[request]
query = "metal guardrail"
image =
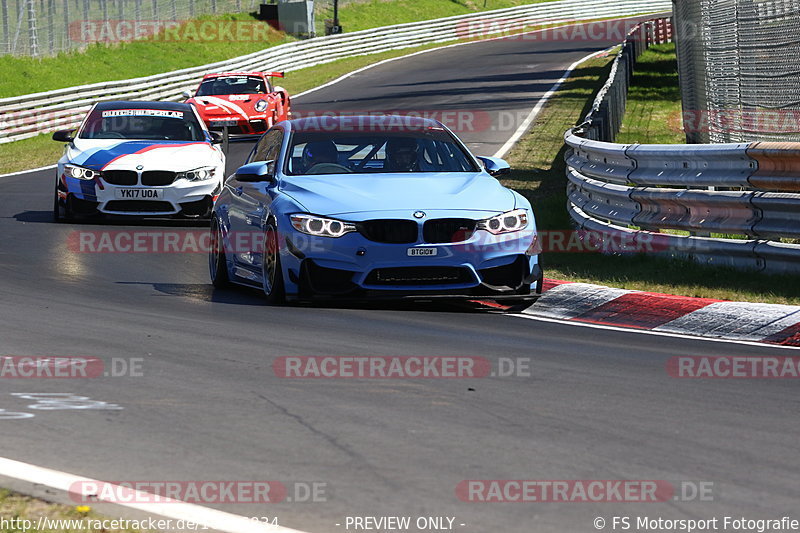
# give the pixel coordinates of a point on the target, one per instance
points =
(635, 191)
(30, 115)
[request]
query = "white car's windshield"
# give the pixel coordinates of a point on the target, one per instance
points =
(148, 124)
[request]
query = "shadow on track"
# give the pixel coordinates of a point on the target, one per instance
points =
(46, 217)
(241, 295)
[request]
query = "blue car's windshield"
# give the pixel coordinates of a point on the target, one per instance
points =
(148, 124)
(429, 150)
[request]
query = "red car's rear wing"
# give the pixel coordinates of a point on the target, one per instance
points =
(274, 74)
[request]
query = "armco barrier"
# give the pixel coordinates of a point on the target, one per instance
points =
(29, 115)
(636, 191)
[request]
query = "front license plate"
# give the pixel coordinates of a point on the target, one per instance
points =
(422, 252)
(223, 123)
(139, 194)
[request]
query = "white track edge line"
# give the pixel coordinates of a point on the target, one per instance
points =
(526, 124)
(651, 332)
(29, 171)
(176, 510)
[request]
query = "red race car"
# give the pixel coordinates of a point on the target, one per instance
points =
(244, 102)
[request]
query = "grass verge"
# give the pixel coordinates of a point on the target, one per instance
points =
(119, 61)
(375, 13)
(22, 514)
(539, 174)
(653, 115)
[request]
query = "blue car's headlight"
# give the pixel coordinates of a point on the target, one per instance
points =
(321, 226)
(80, 173)
(509, 221)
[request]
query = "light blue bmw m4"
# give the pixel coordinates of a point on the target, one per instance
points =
(371, 207)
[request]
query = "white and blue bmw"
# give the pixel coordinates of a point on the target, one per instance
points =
(139, 159)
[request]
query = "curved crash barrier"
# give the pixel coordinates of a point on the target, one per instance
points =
(32, 114)
(616, 187)
(633, 192)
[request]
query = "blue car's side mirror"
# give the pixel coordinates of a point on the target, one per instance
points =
(495, 166)
(255, 172)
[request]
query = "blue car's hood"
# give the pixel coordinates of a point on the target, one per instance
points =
(352, 193)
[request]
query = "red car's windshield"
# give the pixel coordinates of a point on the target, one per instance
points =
(233, 85)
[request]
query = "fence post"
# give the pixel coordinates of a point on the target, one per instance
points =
(6, 35)
(33, 39)
(66, 45)
(51, 15)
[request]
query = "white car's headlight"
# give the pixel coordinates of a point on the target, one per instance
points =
(506, 223)
(198, 174)
(261, 106)
(80, 173)
(321, 226)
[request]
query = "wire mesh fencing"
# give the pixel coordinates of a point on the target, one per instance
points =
(740, 78)
(47, 27)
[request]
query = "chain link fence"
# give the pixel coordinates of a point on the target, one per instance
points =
(739, 71)
(47, 27)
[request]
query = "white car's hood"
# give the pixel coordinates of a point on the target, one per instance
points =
(114, 154)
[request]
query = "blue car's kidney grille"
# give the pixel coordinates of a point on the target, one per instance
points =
(441, 230)
(389, 231)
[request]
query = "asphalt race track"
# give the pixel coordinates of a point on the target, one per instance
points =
(598, 404)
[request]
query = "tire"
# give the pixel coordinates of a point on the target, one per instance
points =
(58, 217)
(217, 261)
(272, 273)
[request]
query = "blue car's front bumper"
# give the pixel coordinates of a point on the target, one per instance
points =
(352, 265)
